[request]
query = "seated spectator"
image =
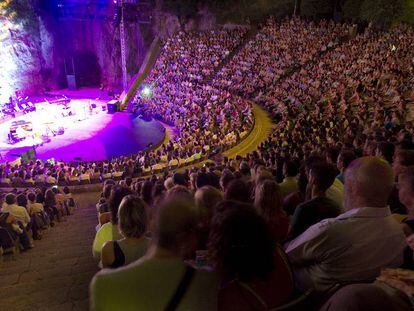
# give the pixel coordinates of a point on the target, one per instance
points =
(345, 158)
(406, 189)
(15, 231)
(402, 159)
(268, 204)
(19, 212)
(69, 201)
(144, 285)
(237, 190)
(225, 179)
(20, 221)
(290, 182)
(103, 205)
(132, 224)
(109, 231)
(254, 272)
(179, 179)
(206, 199)
(406, 196)
(37, 210)
(356, 245)
(169, 183)
(295, 198)
(60, 199)
(385, 150)
(51, 207)
(146, 192)
(35, 224)
(319, 207)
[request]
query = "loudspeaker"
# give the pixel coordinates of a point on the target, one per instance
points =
(113, 106)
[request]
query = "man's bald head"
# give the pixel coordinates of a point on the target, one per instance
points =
(368, 183)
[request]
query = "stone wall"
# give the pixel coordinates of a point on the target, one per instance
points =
(21, 59)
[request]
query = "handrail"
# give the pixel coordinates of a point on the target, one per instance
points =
(143, 72)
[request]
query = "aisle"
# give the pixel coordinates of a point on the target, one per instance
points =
(262, 128)
(54, 275)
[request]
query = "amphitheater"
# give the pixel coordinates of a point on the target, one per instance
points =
(275, 156)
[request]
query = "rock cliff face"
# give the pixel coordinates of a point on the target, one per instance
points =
(102, 40)
(33, 59)
(21, 59)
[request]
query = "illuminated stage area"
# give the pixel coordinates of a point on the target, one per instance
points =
(81, 130)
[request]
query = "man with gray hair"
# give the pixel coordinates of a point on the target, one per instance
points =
(160, 280)
(356, 245)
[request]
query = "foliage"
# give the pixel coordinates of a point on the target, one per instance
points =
(352, 9)
(182, 8)
(317, 8)
(255, 10)
(408, 12)
(381, 12)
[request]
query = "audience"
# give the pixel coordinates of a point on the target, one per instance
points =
(268, 204)
(356, 245)
(23, 218)
(254, 272)
(337, 164)
(319, 207)
(109, 231)
(132, 224)
(160, 280)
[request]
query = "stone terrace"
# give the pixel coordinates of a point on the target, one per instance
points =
(54, 275)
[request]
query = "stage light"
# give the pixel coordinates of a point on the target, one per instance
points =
(146, 92)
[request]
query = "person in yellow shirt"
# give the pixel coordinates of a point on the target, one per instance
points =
(290, 182)
(37, 211)
(109, 231)
(152, 282)
(34, 207)
(19, 212)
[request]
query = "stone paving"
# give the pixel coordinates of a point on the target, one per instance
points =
(54, 275)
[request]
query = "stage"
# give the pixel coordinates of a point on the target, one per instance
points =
(89, 132)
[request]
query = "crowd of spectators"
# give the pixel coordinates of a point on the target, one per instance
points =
(310, 218)
(206, 120)
(277, 48)
(231, 225)
(25, 215)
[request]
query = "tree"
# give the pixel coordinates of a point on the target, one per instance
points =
(382, 12)
(184, 9)
(318, 8)
(352, 9)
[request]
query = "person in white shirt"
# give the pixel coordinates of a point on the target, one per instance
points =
(356, 245)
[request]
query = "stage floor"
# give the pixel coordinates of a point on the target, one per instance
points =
(89, 137)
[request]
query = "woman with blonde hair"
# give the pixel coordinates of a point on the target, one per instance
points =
(268, 203)
(132, 224)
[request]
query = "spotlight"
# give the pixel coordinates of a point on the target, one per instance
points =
(146, 92)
